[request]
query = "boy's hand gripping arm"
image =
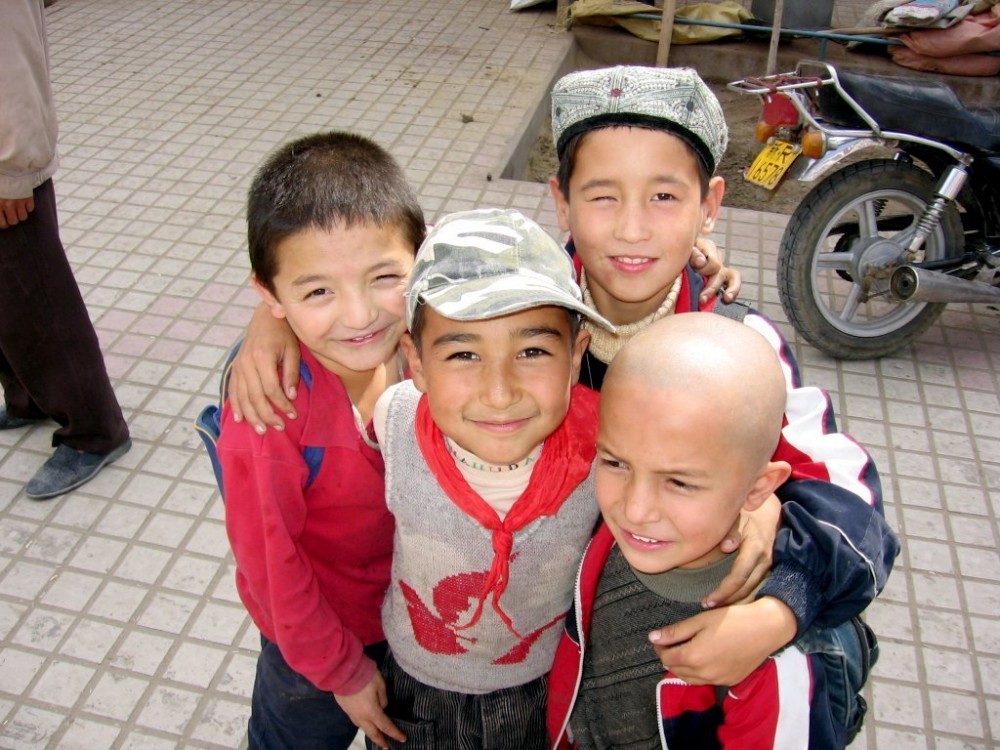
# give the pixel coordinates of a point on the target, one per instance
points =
(834, 549)
(752, 539)
(707, 260)
(366, 709)
(255, 390)
(722, 646)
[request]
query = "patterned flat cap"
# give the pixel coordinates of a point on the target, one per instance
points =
(478, 265)
(671, 99)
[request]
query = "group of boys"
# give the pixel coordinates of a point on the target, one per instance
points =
(417, 587)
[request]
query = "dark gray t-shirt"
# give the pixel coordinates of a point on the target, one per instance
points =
(616, 705)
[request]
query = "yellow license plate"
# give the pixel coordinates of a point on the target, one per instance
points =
(772, 163)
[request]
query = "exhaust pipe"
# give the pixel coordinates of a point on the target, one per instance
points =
(910, 284)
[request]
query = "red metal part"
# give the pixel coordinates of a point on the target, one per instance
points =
(779, 110)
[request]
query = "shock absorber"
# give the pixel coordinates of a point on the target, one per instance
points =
(949, 187)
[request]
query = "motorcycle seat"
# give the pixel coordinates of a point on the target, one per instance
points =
(913, 105)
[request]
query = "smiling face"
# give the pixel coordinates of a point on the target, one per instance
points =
(497, 387)
(671, 476)
(634, 210)
(674, 471)
(341, 291)
(668, 488)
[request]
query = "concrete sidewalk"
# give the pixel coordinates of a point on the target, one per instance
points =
(119, 622)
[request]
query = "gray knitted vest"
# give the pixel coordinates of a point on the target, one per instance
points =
(439, 563)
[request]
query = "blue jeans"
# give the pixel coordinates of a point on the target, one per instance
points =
(290, 713)
(848, 651)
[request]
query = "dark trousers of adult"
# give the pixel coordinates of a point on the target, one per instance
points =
(50, 359)
(288, 712)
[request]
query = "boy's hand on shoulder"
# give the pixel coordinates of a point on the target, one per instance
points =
(255, 391)
(723, 646)
(366, 708)
(707, 260)
(752, 538)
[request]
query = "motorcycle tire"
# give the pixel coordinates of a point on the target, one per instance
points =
(843, 223)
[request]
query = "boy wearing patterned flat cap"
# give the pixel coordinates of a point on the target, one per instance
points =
(638, 149)
(488, 456)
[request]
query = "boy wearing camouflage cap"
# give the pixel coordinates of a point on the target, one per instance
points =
(638, 149)
(488, 457)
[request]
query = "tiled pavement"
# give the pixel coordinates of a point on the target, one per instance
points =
(119, 624)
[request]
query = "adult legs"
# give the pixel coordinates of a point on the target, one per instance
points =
(50, 359)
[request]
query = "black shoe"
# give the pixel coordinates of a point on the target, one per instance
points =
(67, 469)
(9, 422)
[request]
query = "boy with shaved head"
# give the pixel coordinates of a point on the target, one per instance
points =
(670, 484)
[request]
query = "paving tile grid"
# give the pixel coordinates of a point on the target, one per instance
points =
(119, 622)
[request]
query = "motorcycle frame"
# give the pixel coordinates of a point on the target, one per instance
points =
(969, 265)
(801, 89)
(841, 142)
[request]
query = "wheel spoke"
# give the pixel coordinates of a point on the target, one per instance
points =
(867, 219)
(851, 303)
(834, 261)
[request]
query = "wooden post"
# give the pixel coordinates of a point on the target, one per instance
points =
(562, 13)
(772, 52)
(666, 31)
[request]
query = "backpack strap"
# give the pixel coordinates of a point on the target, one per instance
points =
(721, 691)
(313, 454)
(733, 310)
(208, 423)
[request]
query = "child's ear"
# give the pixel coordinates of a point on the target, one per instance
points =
(770, 478)
(413, 363)
(579, 349)
(711, 204)
(269, 299)
(562, 205)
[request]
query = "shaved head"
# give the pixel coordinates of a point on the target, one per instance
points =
(725, 366)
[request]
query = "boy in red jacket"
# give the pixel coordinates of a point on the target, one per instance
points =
(333, 228)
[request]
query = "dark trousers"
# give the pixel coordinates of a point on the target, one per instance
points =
(50, 359)
(288, 712)
(433, 719)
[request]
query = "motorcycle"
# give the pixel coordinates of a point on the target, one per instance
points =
(910, 220)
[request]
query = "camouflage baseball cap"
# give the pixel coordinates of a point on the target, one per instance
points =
(672, 99)
(477, 265)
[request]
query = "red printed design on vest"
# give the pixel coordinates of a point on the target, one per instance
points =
(438, 629)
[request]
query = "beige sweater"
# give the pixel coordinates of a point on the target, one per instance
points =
(28, 127)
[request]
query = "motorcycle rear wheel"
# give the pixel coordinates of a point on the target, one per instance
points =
(864, 213)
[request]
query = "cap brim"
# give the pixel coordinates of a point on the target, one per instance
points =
(484, 299)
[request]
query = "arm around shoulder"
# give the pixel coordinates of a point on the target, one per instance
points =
(834, 549)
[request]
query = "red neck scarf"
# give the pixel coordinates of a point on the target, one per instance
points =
(565, 462)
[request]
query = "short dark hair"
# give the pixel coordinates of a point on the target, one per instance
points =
(419, 318)
(567, 162)
(321, 180)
